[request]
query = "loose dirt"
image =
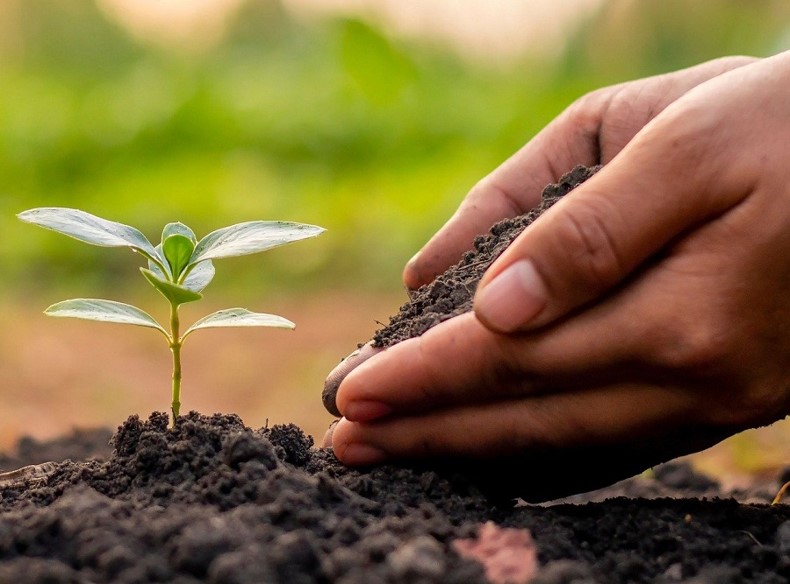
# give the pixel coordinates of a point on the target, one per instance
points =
(215, 501)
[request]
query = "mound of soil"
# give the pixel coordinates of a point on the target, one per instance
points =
(215, 501)
(212, 500)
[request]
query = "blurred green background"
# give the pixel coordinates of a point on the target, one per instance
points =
(330, 113)
(329, 120)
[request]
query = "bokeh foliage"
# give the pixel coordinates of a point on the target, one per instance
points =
(329, 122)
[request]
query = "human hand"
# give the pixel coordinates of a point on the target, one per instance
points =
(591, 131)
(656, 322)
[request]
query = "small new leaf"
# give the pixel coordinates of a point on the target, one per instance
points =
(180, 229)
(173, 292)
(234, 317)
(178, 249)
(103, 311)
(250, 237)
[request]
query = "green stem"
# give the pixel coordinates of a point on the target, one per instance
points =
(175, 348)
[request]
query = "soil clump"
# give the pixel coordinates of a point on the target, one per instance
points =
(451, 293)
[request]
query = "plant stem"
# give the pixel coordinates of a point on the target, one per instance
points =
(782, 492)
(175, 348)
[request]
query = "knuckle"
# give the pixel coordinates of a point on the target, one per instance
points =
(488, 190)
(587, 110)
(686, 131)
(584, 116)
(585, 234)
(699, 348)
(478, 193)
(723, 64)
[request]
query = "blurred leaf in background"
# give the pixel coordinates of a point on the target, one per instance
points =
(330, 120)
(371, 118)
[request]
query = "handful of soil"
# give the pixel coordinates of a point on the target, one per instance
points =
(452, 292)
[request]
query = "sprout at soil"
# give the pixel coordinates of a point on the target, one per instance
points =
(180, 267)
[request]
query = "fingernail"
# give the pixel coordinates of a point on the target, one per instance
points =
(366, 410)
(411, 275)
(357, 454)
(338, 374)
(512, 298)
(327, 442)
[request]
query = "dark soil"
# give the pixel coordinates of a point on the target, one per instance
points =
(215, 501)
(451, 293)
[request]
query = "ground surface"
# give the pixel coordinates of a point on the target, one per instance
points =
(214, 501)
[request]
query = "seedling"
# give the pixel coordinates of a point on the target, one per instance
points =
(180, 267)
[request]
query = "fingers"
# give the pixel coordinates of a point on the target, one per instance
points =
(462, 362)
(512, 189)
(591, 131)
(591, 240)
(333, 380)
(595, 416)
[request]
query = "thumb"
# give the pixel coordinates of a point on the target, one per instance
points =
(668, 180)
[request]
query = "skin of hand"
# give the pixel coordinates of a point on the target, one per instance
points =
(591, 131)
(642, 317)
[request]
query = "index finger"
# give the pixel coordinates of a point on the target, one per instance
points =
(591, 131)
(512, 189)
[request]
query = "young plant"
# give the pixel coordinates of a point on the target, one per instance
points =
(180, 267)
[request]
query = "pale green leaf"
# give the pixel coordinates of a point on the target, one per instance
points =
(178, 228)
(103, 311)
(157, 268)
(199, 276)
(89, 228)
(178, 249)
(237, 317)
(250, 237)
(173, 292)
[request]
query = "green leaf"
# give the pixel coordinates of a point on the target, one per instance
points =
(157, 268)
(178, 249)
(232, 317)
(250, 237)
(89, 228)
(103, 311)
(173, 292)
(199, 276)
(178, 228)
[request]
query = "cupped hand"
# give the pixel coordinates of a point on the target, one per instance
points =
(644, 316)
(591, 131)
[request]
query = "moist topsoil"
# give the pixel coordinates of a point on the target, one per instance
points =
(212, 500)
